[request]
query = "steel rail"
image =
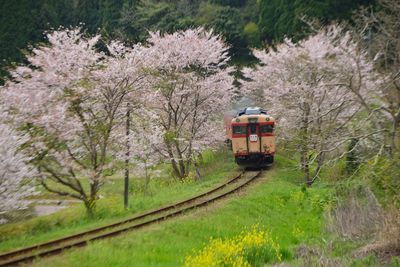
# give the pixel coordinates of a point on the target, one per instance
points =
(101, 228)
(56, 246)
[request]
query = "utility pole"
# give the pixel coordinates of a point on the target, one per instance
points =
(127, 154)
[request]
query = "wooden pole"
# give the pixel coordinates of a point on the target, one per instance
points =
(127, 154)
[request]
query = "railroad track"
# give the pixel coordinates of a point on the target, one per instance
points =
(57, 246)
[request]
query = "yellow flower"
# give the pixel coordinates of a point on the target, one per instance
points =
(298, 196)
(234, 251)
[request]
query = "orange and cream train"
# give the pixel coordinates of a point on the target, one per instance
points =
(251, 135)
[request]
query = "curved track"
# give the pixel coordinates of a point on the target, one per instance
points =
(81, 239)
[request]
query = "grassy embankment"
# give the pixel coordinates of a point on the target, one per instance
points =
(162, 190)
(294, 217)
(278, 203)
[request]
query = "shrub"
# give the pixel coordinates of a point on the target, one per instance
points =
(357, 214)
(387, 244)
(385, 174)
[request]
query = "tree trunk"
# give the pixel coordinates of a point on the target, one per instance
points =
(127, 155)
(172, 159)
(182, 169)
(90, 205)
(90, 201)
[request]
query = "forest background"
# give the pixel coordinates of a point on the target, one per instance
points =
(245, 24)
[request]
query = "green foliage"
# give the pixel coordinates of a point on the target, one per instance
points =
(87, 12)
(395, 262)
(280, 18)
(228, 22)
(232, 3)
(161, 16)
(252, 33)
(129, 23)
(385, 175)
(110, 13)
(169, 136)
(22, 22)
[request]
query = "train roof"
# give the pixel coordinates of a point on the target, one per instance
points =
(252, 115)
(252, 111)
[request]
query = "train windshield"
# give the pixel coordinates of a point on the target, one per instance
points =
(268, 128)
(253, 128)
(239, 129)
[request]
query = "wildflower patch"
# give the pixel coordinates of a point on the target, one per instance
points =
(250, 248)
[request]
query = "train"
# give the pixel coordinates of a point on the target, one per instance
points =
(251, 136)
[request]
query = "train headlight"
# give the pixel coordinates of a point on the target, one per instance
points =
(237, 120)
(267, 118)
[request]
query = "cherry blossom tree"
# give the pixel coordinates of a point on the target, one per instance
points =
(188, 87)
(315, 88)
(16, 175)
(70, 100)
(378, 29)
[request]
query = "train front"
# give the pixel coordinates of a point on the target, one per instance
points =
(253, 138)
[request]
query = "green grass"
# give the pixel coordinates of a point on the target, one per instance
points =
(162, 191)
(292, 214)
(279, 203)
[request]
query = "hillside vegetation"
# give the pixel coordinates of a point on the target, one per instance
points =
(244, 23)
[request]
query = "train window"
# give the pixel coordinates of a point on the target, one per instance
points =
(267, 128)
(239, 129)
(253, 128)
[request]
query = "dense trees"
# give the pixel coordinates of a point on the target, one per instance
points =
(282, 18)
(315, 88)
(23, 22)
(79, 97)
(243, 23)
